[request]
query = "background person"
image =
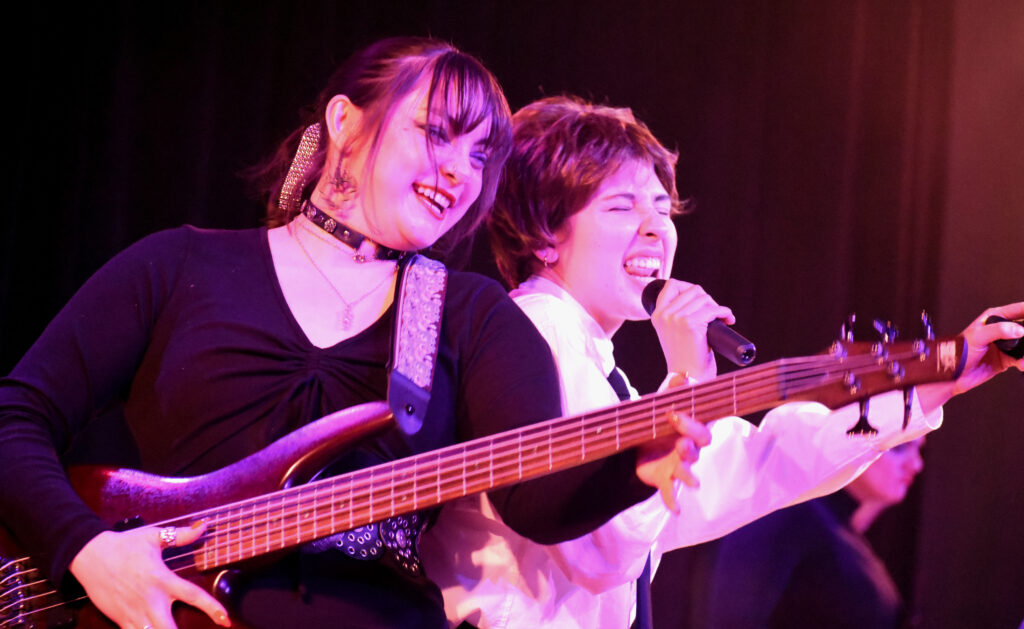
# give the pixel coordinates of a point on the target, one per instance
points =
(809, 565)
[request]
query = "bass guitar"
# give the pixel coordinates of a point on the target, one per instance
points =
(255, 507)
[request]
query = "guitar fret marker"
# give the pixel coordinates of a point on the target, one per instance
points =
(415, 494)
(392, 499)
(550, 461)
(583, 440)
(734, 400)
(438, 478)
(334, 504)
(312, 514)
(371, 494)
(351, 502)
(519, 454)
(618, 426)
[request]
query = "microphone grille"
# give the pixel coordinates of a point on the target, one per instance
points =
(650, 295)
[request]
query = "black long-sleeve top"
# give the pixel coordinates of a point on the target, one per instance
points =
(187, 334)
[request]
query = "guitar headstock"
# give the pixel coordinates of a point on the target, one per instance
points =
(852, 371)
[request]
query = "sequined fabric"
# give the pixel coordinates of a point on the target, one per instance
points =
(396, 538)
(419, 315)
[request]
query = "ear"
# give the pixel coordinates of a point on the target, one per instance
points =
(548, 255)
(342, 118)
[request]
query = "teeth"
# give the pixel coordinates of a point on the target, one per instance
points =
(642, 266)
(438, 198)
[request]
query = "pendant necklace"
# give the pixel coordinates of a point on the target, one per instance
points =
(346, 316)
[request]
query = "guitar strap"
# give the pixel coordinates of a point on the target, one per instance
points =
(417, 333)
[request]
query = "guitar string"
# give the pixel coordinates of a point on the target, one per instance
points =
(282, 527)
(792, 370)
(381, 504)
(415, 473)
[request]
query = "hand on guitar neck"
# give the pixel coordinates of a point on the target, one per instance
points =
(984, 359)
(660, 463)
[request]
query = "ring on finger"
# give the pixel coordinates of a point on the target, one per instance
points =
(168, 538)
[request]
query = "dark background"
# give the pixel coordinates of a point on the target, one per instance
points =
(845, 156)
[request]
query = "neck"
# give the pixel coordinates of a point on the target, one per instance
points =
(610, 327)
(363, 248)
(865, 515)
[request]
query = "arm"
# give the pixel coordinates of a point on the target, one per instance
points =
(85, 359)
(800, 451)
(509, 381)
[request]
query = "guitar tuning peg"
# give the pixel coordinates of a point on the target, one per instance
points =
(846, 331)
(926, 325)
(863, 426)
(887, 330)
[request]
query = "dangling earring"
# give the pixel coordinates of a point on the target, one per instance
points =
(548, 256)
(291, 189)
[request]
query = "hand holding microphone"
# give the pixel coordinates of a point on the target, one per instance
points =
(1014, 348)
(721, 337)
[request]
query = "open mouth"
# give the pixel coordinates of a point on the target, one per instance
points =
(438, 199)
(643, 266)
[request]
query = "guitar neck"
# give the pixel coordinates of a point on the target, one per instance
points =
(298, 515)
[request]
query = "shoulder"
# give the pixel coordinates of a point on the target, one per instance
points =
(471, 295)
(558, 322)
(480, 313)
(187, 239)
(544, 308)
(157, 262)
(466, 284)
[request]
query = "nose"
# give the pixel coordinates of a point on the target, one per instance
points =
(454, 165)
(914, 462)
(653, 224)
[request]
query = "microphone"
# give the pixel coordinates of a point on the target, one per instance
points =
(1010, 347)
(721, 337)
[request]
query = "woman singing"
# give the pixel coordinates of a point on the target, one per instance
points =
(582, 223)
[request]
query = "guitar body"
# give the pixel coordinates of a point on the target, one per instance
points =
(128, 498)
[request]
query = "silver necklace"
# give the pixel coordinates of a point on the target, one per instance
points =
(346, 316)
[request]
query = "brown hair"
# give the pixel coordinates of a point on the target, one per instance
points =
(563, 147)
(375, 79)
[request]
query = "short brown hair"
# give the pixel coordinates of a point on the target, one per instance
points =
(563, 147)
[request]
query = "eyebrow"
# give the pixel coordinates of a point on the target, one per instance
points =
(629, 196)
(485, 142)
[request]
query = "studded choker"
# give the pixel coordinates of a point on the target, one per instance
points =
(348, 235)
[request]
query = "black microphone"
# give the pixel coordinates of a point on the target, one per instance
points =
(721, 337)
(1010, 347)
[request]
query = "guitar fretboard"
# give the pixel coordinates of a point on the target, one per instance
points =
(298, 515)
